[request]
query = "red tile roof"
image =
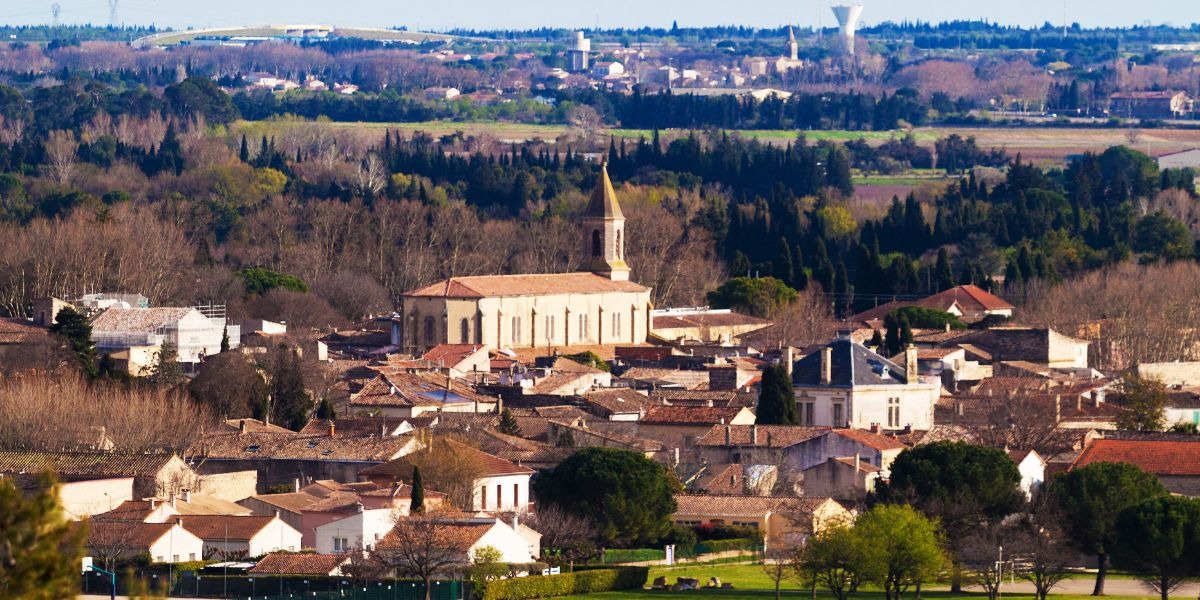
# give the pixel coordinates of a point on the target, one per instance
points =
(450, 354)
(877, 441)
(16, 331)
(689, 415)
(217, 527)
(769, 436)
(1151, 456)
(287, 563)
(495, 286)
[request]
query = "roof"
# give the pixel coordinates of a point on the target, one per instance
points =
(16, 331)
(863, 466)
(255, 426)
(705, 319)
(689, 415)
(137, 319)
(870, 439)
(742, 506)
(217, 527)
(1151, 95)
(288, 563)
(1158, 457)
(298, 446)
(972, 301)
(617, 401)
(603, 203)
(84, 464)
(494, 286)
(769, 436)
(489, 465)
(399, 389)
(852, 364)
(450, 354)
(130, 535)
(459, 536)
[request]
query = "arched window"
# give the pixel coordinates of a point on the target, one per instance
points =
(464, 331)
(597, 250)
(430, 332)
(618, 249)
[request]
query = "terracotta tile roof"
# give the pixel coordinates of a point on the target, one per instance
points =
(298, 446)
(769, 436)
(459, 536)
(400, 469)
(1157, 457)
(495, 286)
(721, 480)
(137, 319)
(686, 379)
(869, 439)
(255, 426)
(218, 527)
(617, 401)
(294, 502)
(131, 535)
(742, 506)
(396, 389)
(129, 510)
(84, 464)
(689, 415)
(970, 298)
(17, 331)
(732, 319)
(288, 563)
(863, 466)
(355, 426)
(450, 354)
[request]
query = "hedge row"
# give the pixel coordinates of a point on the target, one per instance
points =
(716, 546)
(567, 584)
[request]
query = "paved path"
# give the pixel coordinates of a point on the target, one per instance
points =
(1082, 586)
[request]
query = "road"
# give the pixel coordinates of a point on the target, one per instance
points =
(1082, 586)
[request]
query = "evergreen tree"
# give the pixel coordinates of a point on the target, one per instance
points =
(876, 341)
(943, 272)
(417, 504)
(39, 549)
(244, 152)
(167, 372)
(224, 340)
(325, 410)
(777, 399)
(74, 326)
(837, 172)
(508, 423)
(783, 263)
(290, 402)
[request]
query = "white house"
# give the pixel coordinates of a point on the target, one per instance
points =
(499, 486)
(360, 530)
(242, 536)
(845, 384)
(1032, 468)
(162, 542)
(469, 535)
(136, 334)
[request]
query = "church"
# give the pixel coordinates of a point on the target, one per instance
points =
(597, 306)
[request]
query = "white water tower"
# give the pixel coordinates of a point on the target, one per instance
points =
(847, 16)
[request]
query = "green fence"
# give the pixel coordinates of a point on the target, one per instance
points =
(379, 590)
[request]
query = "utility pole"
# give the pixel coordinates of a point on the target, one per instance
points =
(1000, 573)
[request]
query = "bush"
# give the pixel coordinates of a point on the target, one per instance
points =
(717, 546)
(710, 531)
(567, 584)
(622, 555)
(928, 318)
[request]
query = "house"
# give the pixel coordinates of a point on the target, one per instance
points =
(1176, 462)
(499, 485)
(468, 535)
(229, 537)
(154, 475)
(847, 478)
(1032, 468)
(459, 359)
(617, 404)
(133, 336)
(706, 325)
(162, 542)
(296, 564)
(781, 520)
(731, 480)
(970, 303)
(442, 93)
(845, 384)
(597, 306)
(681, 426)
(400, 394)
(1187, 159)
(1169, 104)
(360, 530)
(1032, 345)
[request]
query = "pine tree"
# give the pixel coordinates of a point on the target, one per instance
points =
(39, 549)
(508, 424)
(783, 263)
(167, 372)
(224, 340)
(417, 504)
(325, 410)
(777, 400)
(74, 326)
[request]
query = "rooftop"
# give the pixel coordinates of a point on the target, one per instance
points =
(287, 563)
(496, 286)
(137, 319)
(1158, 457)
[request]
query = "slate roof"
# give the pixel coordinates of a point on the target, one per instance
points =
(852, 364)
(496, 286)
(287, 563)
(1163, 457)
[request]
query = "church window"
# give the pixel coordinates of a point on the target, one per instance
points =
(583, 327)
(616, 330)
(430, 332)
(550, 328)
(465, 331)
(596, 244)
(516, 330)
(618, 249)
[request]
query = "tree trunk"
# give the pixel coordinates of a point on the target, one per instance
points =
(427, 586)
(956, 578)
(1102, 562)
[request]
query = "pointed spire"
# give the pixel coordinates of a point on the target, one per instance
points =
(603, 204)
(791, 34)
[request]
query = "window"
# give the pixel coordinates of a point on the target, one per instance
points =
(596, 244)
(483, 497)
(616, 328)
(499, 496)
(618, 248)
(174, 558)
(341, 544)
(191, 557)
(516, 330)
(583, 327)
(839, 417)
(808, 413)
(893, 413)
(464, 333)
(550, 328)
(516, 495)
(430, 332)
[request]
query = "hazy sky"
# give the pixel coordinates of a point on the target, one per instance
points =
(443, 14)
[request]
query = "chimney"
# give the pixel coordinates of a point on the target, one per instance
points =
(961, 409)
(910, 365)
(826, 365)
(242, 426)
(383, 430)
(768, 439)
(332, 428)
(516, 522)
(728, 435)
(874, 427)
(754, 435)
(174, 501)
(1096, 399)
(153, 503)
(1078, 403)
(908, 429)
(788, 359)
(857, 461)
(179, 521)
(276, 513)
(187, 496)
(296, 485)
(1057, 410)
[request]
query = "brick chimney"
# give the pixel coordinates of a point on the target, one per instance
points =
(242, 426)
(826, 365)
(911, 373)
(788, 360)
(728, 435)
(332, 428)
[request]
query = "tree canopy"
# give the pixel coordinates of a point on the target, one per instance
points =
(757, 296)
(777, 398)
(898, 548)
(1159, 540)
(630, 497)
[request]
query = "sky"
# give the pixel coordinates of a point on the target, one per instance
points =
(520, 14)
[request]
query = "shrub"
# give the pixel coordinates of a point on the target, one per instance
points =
(567, 584)
(928, 318)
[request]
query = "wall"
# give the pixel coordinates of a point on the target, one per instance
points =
(81, 499)
(180, 543)
(233, 486)
(507, 501)
(512, 546)
(838, 480)
(867, 405)
(276, 536)
(361, 529)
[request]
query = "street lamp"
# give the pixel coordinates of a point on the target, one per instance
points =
(1000, 573)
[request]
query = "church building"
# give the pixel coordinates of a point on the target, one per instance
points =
(598, 306)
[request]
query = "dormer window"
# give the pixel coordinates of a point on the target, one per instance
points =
(253, 448)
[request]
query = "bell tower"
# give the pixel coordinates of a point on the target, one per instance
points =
(604, 232)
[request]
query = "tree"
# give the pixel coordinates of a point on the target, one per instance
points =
(1143, 403)
(1159, 540)
(962, 485)
(1090, 498)
(39, 549)
(62, 155)
(451, 467)
(325, 410)
(779, 566)
(74, 326)
(899, 548)
(760, 297)
(417, 504)
(832, 557)
(944, 271)
(224, 339)
(630, 497)
(508, 423)
(777, 398)
(166, 371)
(290, 401)
(423, 546)
(566, 537)
(230, 385)
(1047, 551)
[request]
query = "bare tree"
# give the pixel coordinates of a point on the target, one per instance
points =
(426, 546)
(585, 121)
(61, 155)
(566, 536)
(110, 541)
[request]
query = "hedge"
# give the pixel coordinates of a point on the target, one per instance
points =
(566, 584)
(619, 555)
(716, 546)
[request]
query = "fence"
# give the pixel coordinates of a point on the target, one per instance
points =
(191, 584)
(644, 555)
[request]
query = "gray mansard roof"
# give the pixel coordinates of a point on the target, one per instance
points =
(851, 365)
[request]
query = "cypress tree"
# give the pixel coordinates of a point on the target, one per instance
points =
(783, 267)
(777, 400)
(74, 326)
(876, 341)
(224, 340)
(417, 505)
(944, 274)
(508, 423)
(244, 153)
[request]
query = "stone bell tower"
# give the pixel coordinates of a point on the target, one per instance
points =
(604, 232)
